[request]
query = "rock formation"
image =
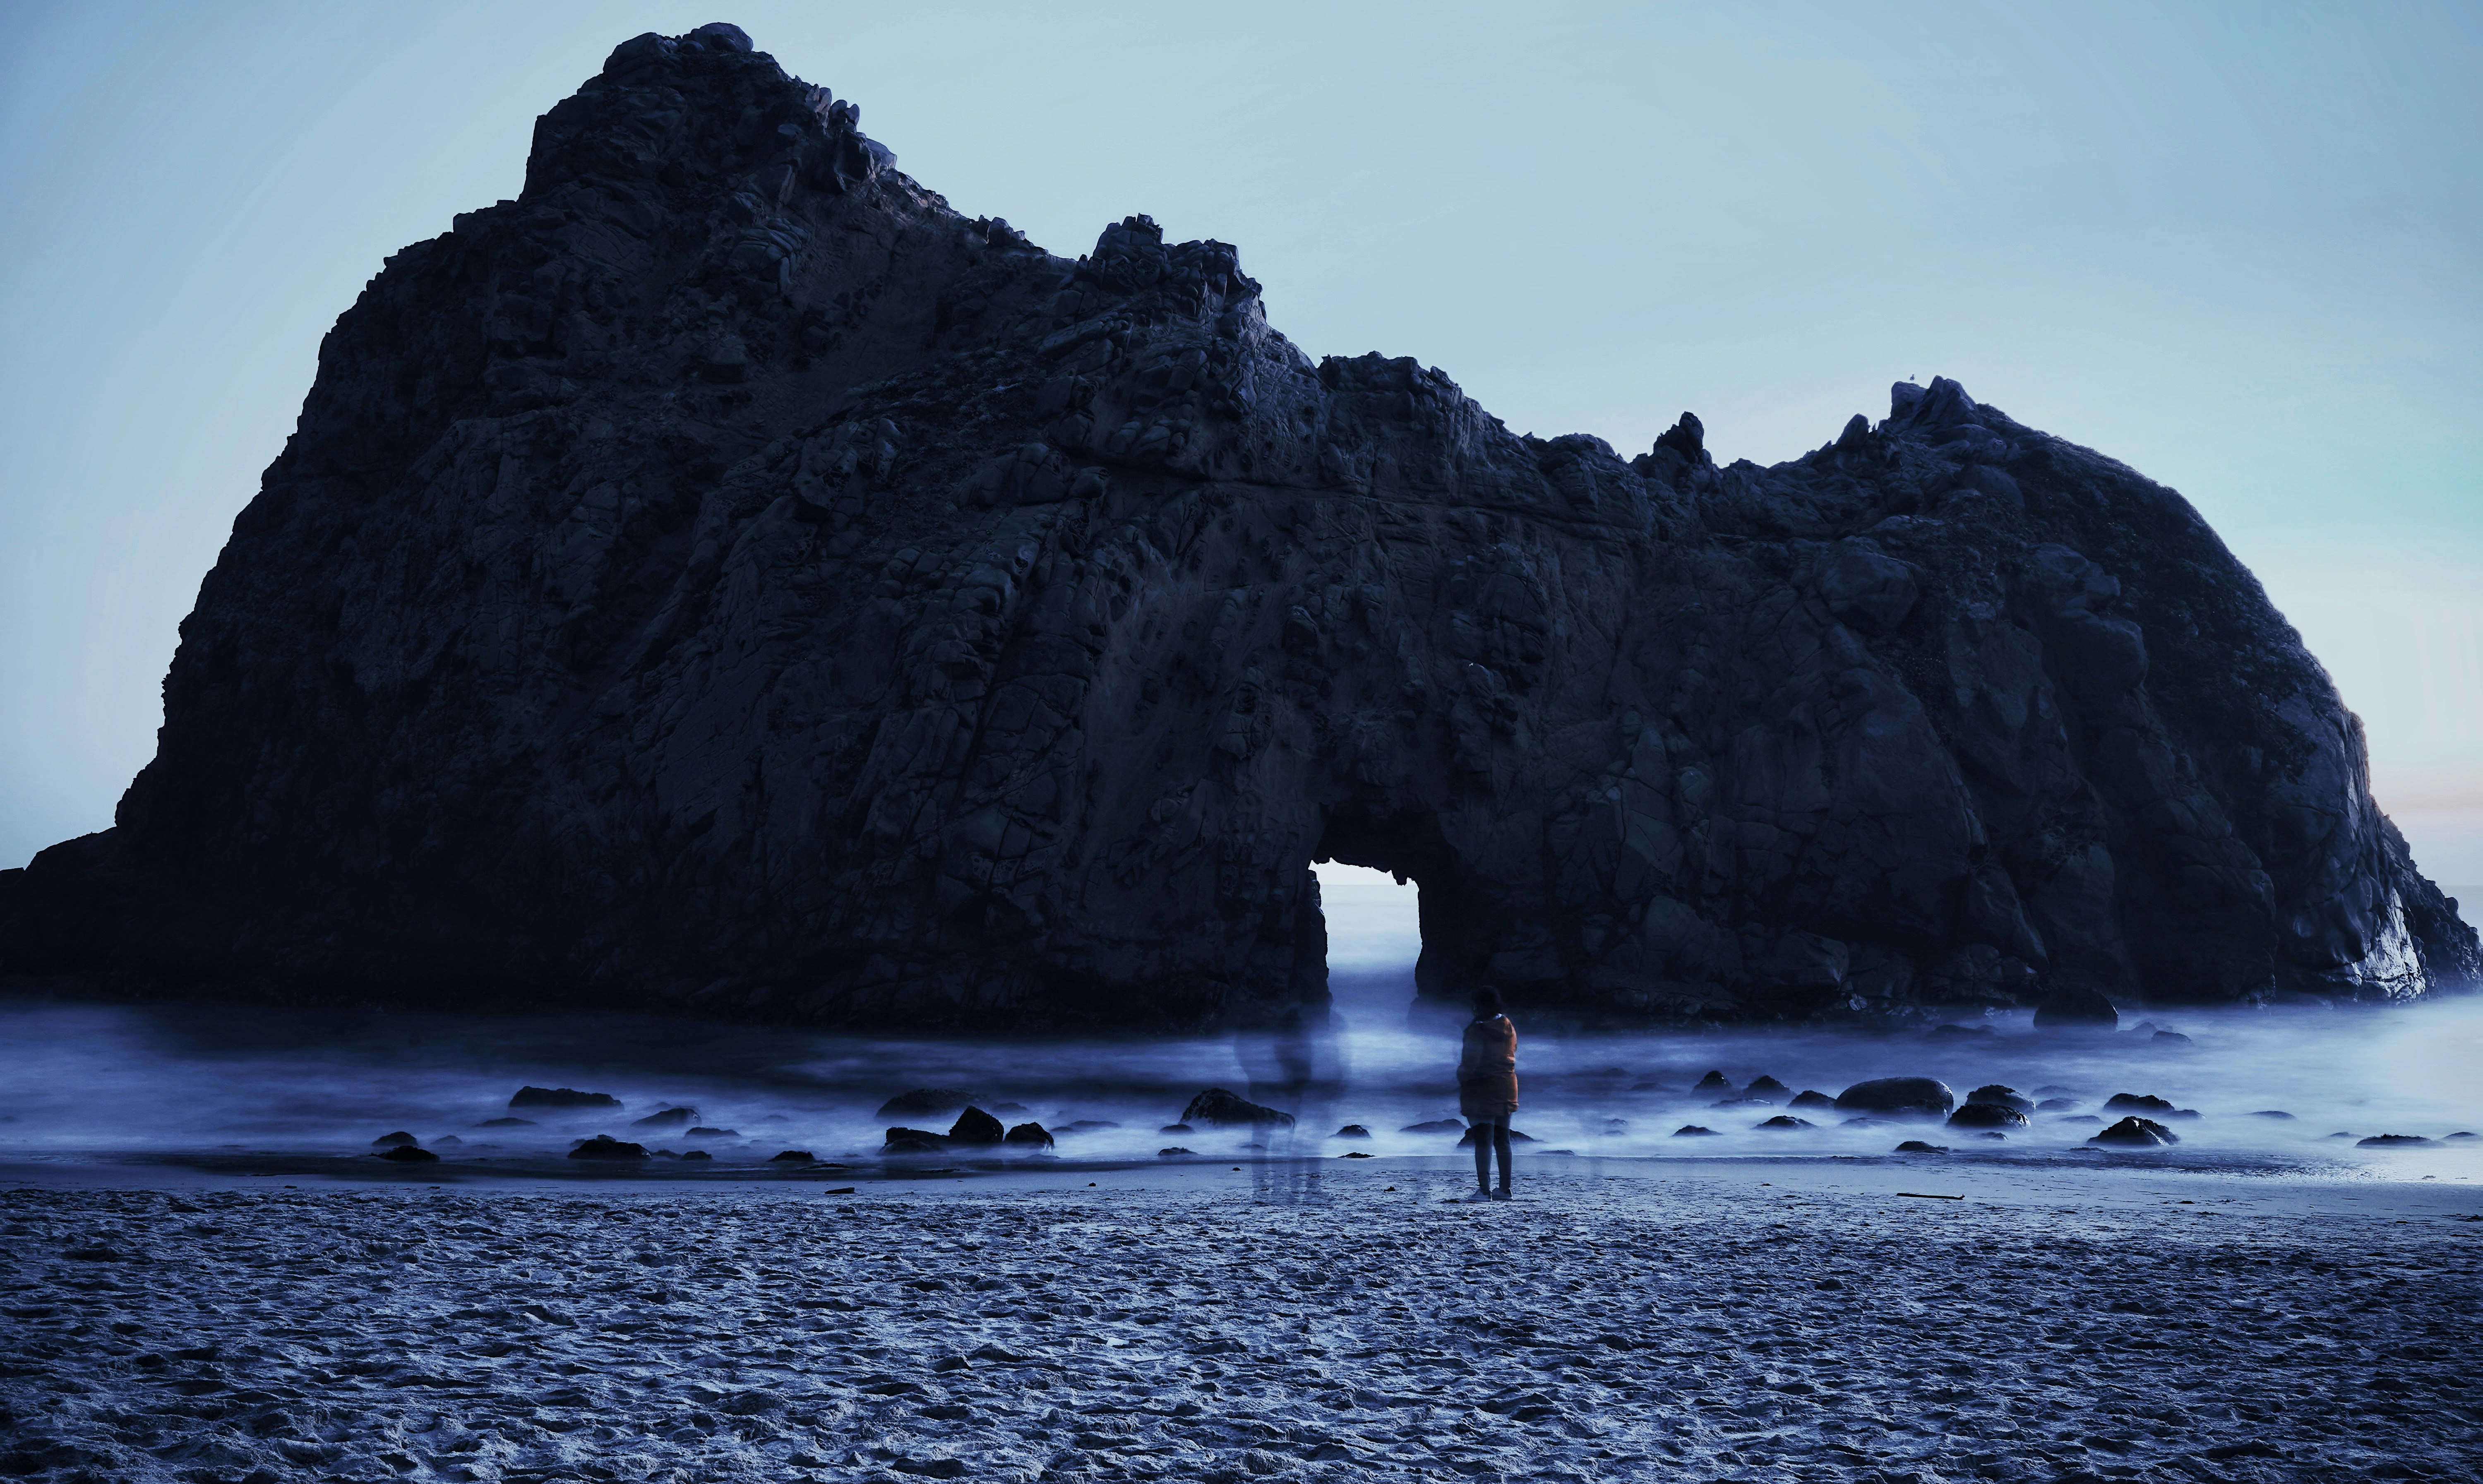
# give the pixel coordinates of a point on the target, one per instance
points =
(726, 577)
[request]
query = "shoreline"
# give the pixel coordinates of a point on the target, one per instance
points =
(1259, 1325)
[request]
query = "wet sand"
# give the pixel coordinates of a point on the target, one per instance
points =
(1287, 1320)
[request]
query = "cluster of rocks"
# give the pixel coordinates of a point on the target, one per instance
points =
(725, 578)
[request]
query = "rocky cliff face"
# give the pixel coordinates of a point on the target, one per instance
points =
(728, 577)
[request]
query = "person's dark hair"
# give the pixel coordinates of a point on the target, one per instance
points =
(1486, 1004)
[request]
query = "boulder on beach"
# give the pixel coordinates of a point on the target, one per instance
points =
(1475, 1134)
(561, 1097)
(2391, 1141)
(1918, 1147)
(793, 1157)
(508, 1122)
(1987, 1115)
(1811, 1097)
(667, 1117)
(925, 1101)
(2006, 1096)
(1784, 1121)
(408, 1153)
(2135, 1133)
(975, 1127)
(1713, 1082)
(1217, 1108)
(392, 1140)
(1437, 1125)
(1352, 1131)
(1898, 1095)
(605, 1146)
(1692, 1131)
(1355, 1154)
(1030, 1134)
(1768, 1087)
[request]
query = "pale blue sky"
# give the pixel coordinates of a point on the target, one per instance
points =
(2234, 246)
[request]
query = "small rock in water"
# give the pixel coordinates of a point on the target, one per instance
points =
(923, 1101)
(1217, 1108)
(2391, 1141)
(1810, 1098)
(444, 1140)
(2340, 1135)
(1713, 1082)
(1898, 1095)
(1030, 1133)
(1094, 1125)
(667, 1117)
(2273, 1113)
(1514, 1137)
(914, 1141)
(1918, 1147)
(2006, 1096)
(561, 1097)
(1863, 1123)
(1785, 1120)
(605, 1146)
(1355, 1154)
(2056, 1105)
(2055, 1090)
(2143, 1103)
(2078, 1118)
(713, 1133)
(1991, 1135)
(1352, 1131)
(1171, 1153)
(698, 1153)
(392, 1140)
(1987, 1115)
(1435, 1126)
(1012, 1109)
(1766, 1087)
(1617, 1126)
(2461, 1134)
(1692, 1131)
(976, 1126)
(2136, 1132)
(507, 1122)
(1176, 1129)
(2168, 1038)
(793, 1157)
(408, 1153)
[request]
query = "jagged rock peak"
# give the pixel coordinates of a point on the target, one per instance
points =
(729, 578)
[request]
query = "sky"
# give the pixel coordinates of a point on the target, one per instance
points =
(2234, 246)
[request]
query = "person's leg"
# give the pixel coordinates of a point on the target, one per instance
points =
(1483, 1155)
(1499, 1142)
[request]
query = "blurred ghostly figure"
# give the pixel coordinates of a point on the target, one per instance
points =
(1293, 1066)
(1488, 1089)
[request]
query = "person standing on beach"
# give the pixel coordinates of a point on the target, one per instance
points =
(1488, 1089)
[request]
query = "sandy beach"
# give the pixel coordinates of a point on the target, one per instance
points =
(1299, 1320)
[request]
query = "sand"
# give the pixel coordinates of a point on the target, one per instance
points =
(1285, 1322)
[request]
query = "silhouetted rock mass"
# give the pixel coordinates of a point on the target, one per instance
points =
(726, 577)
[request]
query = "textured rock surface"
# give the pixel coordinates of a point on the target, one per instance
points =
(726, 577)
